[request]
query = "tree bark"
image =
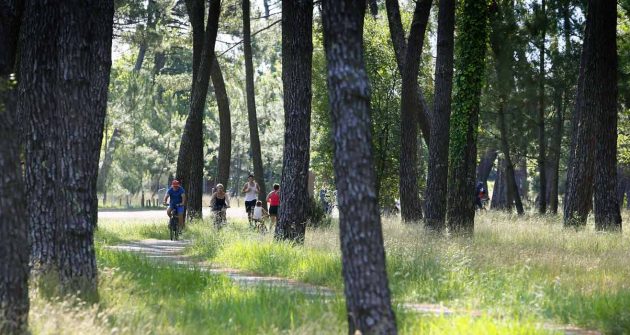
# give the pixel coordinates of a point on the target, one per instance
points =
(485, 166)
(71, 43)
(400, 50)
(363, 256)
(297, 59)
(193, 143)
(465, 119)
(542, 143)
(594, 124)
(225, 124)
(561, 106)
(251, 104)
(499, 194)
(411, 209)
(437, 175)
(196, 14)
(152, 18)
(14, 252)
(108, 159)
(511, 186)
(503, 30)
(606, 206)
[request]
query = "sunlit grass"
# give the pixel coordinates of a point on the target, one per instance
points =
(513, 267)
(518, 272)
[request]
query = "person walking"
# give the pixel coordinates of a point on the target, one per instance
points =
(251, 190)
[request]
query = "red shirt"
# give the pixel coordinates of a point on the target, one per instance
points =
(274, 199)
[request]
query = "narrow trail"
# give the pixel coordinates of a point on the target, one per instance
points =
(172, 253)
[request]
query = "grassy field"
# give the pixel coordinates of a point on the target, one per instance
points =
(516, 276)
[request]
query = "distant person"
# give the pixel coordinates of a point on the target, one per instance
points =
(251, 190)
(259, 212)
(323, 199)
(480, 195)
(273, 198)
(177, 203)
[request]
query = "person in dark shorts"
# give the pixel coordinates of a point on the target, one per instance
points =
(251, 190)
(273, 198)
(177, 202)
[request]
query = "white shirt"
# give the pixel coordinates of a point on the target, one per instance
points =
(258, 213)
(251, 193)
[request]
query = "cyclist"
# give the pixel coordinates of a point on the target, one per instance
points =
(258, 214)
(251, 191)
(273, 198)
(177, 196)
(219, 200)
(480, 195)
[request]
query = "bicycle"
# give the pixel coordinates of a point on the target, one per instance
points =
(220, 218)
(260, 226)
(173, 225)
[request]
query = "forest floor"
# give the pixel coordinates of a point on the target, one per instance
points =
(516, 276)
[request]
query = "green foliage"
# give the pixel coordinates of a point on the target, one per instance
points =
(470, 70)
(385, 89)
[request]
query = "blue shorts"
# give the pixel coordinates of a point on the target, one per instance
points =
(179, 209)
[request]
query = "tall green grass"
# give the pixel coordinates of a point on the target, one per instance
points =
(139, 296)
(513, 267)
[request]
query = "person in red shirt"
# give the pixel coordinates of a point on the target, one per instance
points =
(273, 198)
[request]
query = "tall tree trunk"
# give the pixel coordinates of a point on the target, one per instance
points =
(72, 47)
(400, 50)
(297, 58)
(251, 104)
(606, 206)
(503, 30)
(266, 5)
(594, 123)
(411, 209)
(14, 252)
(152, 18)
(465, 119)
(196, 14)
(193, 143)
(511, 186)
(108, 159)
(225, 124)
(485, 166)
(560, 110)
(542, 143)
(499, 194)
(435, 204)
(368, 301)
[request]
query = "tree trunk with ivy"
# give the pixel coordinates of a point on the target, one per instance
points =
(368, 300)
(297, 59)
(437, 175)
(465, 119)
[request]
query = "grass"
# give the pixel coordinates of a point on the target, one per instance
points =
(513, 267)
(515, 276)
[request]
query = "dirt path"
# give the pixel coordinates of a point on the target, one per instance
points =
(172, 252)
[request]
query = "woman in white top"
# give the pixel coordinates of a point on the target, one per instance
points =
(251, 190)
